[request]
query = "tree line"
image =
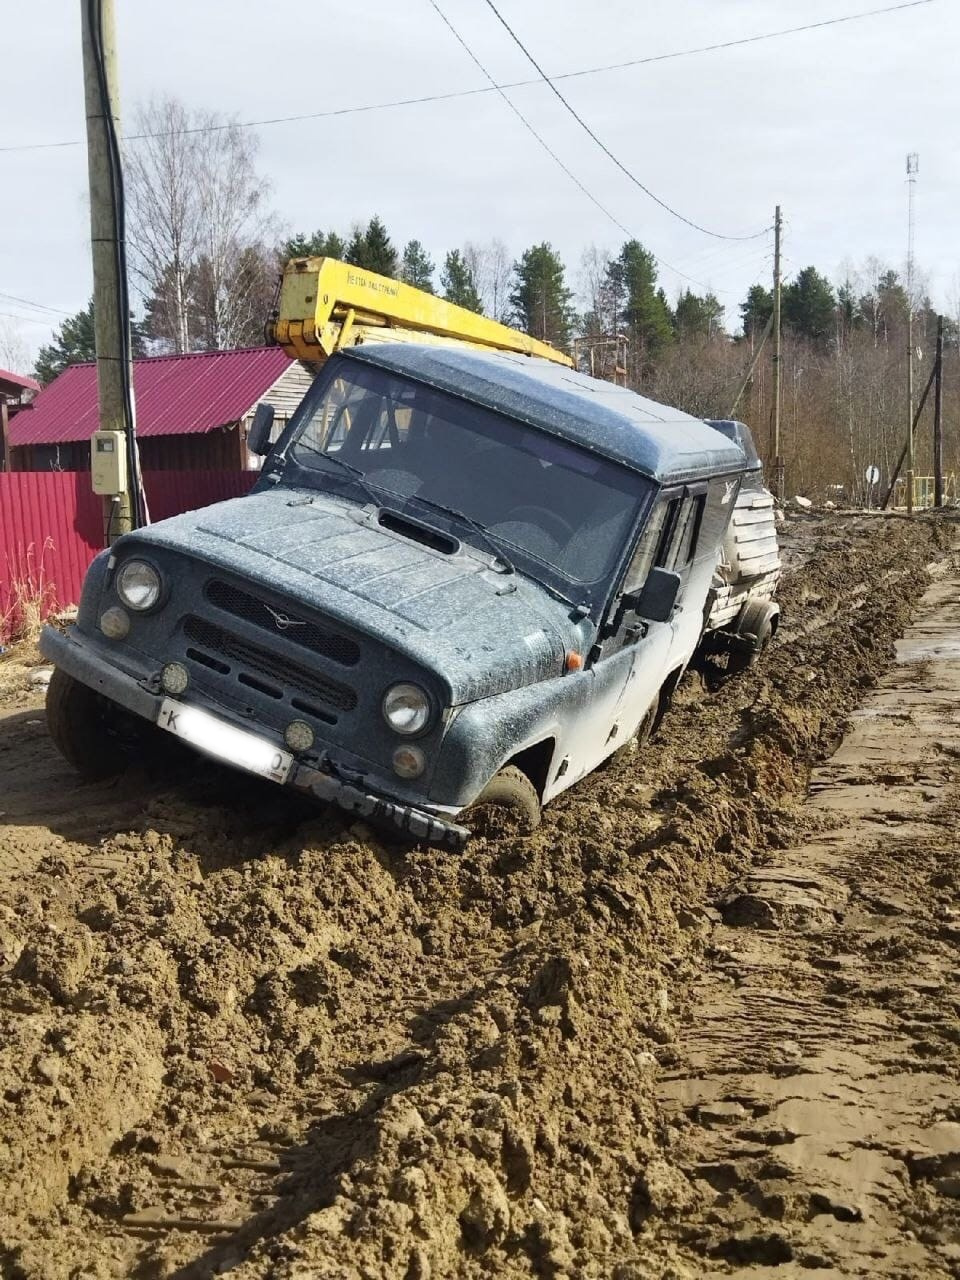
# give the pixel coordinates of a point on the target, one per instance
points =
(206, 252)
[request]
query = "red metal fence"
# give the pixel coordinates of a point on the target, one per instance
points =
(51, 527)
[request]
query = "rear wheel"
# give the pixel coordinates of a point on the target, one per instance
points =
(97, 738)
(509, 801)
(743, 659)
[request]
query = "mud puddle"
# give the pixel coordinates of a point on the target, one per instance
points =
(237, 1039)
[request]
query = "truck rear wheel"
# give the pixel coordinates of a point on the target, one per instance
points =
(743, 659)
(509, 799)
(87, 731)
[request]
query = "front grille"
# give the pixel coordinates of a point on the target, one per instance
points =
(259, 665)
(299, 631)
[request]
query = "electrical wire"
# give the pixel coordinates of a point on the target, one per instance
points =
(115, 161)
(515, 84)
(37, 306)
(716, 235)
(549, 150)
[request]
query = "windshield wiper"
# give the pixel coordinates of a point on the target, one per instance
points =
(481, 530)
(356, 472)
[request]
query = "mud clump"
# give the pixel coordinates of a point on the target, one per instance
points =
(286, 1047)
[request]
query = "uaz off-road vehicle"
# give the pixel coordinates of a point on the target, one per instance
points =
(462, 578)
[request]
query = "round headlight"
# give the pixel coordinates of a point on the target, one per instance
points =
(406, 709)
(138, 585)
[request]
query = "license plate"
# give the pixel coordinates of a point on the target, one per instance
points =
(224, 741)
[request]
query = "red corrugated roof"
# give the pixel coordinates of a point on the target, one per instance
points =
(176, 395)
(17, 381)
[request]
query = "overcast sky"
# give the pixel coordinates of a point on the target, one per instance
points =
(819, 122)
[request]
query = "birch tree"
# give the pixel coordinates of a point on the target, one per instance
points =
(197, 226)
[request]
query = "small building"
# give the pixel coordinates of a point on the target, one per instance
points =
(193, 411)
(16, 393)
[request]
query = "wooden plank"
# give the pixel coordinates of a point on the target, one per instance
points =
(762, 565)
(751, 532)
(759, 516)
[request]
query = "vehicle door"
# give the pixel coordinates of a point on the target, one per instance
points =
(654, 650)
(627, 662)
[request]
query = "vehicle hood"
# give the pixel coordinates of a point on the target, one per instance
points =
(480, 631)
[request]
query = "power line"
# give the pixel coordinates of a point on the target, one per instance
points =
(716, 235)
(546, 146)
(493, 87)
(37, 306)
(12, 315)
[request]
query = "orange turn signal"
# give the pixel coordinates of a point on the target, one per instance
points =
(574, 660)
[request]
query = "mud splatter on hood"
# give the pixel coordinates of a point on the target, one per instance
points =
(481, 631)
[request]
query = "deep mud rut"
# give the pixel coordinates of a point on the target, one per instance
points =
(686, 1028)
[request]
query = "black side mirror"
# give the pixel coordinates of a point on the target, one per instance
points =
(258, 437)
(659, 596)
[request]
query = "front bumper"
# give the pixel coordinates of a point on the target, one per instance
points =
(330, 784)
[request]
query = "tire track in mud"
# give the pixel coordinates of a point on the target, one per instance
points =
(815, 1098)
(376, 1063)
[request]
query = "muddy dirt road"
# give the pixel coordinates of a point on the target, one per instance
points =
(653, 1040)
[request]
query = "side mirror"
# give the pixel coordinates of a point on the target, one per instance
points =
(658, 598)
(258, 437)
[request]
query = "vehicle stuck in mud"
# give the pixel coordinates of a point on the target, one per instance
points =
(462, 580)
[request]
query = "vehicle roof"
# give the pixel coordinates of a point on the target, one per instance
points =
(664, 443)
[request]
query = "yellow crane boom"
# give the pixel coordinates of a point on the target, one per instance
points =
(326, 305)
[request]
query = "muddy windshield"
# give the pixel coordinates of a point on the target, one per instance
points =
(543, 500)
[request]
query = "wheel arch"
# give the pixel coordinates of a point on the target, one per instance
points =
(535, 762)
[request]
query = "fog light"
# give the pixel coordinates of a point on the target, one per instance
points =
(409, 762)
(298, 735)
(115, 623)
(174, 678)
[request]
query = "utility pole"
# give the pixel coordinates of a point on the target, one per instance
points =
(938, 420)
(777, 457)
(111, 321)
(913, 164)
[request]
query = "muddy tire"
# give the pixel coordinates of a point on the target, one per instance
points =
(508, 801)
(84, 728)
(745, 659)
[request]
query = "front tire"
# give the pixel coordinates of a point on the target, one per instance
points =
(86, 730)
(508, 800)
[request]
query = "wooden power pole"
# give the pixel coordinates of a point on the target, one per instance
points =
(111, 321)
(912, 167)
(938, 420)
(777, 455)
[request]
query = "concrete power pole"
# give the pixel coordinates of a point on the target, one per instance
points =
(111, 321)
(913, 164)
(777, 456)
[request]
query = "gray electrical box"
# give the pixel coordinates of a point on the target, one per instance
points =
(109, 462)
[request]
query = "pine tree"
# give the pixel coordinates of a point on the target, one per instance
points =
(417, 267)
(540, 299)
(458, 283)
(809, 305)
(321, 244)
(372, 249)
(75, 343)
(640, 305)
(697, 317)
(756, 310)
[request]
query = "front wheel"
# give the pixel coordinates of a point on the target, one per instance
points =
(86, 729)
(508, 801)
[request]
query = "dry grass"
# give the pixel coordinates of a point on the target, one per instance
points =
(30, 595)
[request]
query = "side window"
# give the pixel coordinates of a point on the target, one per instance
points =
(683, 540)
(652, 541)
